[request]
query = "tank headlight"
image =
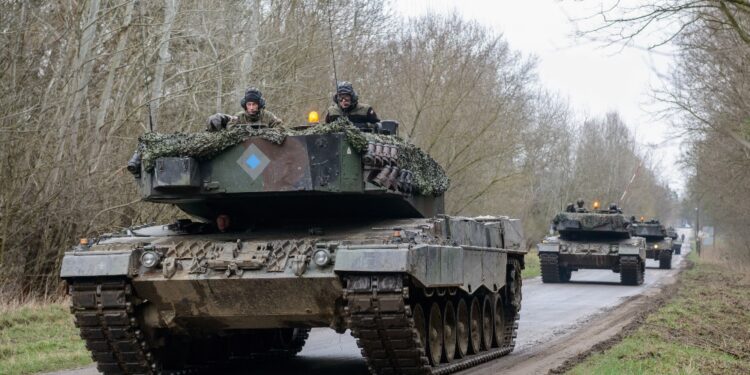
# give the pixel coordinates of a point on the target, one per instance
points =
(322, 258)
(150, 259)
(656, 246)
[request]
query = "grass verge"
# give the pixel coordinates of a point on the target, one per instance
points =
(701, 330)
(531, 260)
(39, 337)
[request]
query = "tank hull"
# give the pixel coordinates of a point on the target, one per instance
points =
(254, 287)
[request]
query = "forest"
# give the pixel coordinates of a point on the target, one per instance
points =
(80, 81)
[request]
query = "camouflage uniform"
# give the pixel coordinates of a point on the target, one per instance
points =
(358, 113)
(263, 117)
(361, 113)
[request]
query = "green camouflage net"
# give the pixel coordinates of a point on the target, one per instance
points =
(590, 221)
(429, 176)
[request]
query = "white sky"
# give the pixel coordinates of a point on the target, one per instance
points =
(594, 80)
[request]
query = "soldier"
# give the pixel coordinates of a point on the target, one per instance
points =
(347, 105)
(570, 208)
(580, 207)
(254, 113)
(223, 222)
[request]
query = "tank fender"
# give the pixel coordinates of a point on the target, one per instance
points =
(431, 265)
(465, 267)
(548, 247)
(92, 263)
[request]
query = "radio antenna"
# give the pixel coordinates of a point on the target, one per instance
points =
(333, 55)
(145, 71)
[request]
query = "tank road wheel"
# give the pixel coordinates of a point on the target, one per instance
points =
(498, 321)
(462, 328)
(435, 326)
(631, 270)
(487, 321)
(417, 314)
(475, 326)
(449, 331)
(665, 260)
(551, 270)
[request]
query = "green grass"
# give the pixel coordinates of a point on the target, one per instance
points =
(39, 337)
(703, 329)
(532, 265)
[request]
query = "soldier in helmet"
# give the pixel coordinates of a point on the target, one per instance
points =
(579, 204)
(346, 104)
(254, 113)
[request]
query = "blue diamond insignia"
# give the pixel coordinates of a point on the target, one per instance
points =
(253, 161)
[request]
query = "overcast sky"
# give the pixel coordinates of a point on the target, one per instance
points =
(594, 80)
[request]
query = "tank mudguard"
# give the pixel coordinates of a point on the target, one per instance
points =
(467, 268)
(93, 263)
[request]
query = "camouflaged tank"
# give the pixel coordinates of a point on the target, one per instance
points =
(326, 227)
(597, 239)
(658, 243)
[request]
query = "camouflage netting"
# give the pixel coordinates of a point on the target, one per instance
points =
(591, 221)
(429, 176)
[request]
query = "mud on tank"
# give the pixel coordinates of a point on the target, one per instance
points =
(327, 227)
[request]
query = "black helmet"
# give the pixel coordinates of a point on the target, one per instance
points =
(579, 202)
(345, 88)
(252, 94)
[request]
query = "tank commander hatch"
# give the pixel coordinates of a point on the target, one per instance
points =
(346, 104)
(254, 114)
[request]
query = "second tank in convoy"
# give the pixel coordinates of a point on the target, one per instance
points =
(592, 239)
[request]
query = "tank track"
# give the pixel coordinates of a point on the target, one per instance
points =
(103, 312)
(382, 322)
(551, 270)
(665, 260)
(631, 270)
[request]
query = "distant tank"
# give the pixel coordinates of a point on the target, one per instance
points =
(676, 242)
(596, 239)
(324, 227)
(659, 245)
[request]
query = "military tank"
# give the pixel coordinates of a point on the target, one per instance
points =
(592, 239)
(658, 244)
(324, 227)
(676, 242)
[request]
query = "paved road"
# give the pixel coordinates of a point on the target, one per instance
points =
(549, 311)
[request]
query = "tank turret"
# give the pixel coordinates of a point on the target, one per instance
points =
(256, 176)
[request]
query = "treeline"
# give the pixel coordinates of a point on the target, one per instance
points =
(78, 79)
(707, 94)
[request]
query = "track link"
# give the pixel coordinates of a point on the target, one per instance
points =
(631, 270)
(551, 270)
(104, 314)
(385, 330)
